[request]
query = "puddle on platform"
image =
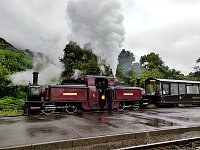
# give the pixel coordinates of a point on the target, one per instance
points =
(107, 121)
(187, 119)
(44, 118)
(9, 120)
(155, 122)
(44, 131)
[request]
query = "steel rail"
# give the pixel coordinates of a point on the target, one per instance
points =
(167, 144)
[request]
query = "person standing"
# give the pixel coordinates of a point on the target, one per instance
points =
(110, 95)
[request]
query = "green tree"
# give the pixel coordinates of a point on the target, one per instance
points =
(154, 73)
(124, 68)
(12, 60)
(79, 58)
(197, 69)
(15, 60)
(152, 61)
(133, 80)
(72, 55)
(4, 72)
(155, 67)
(90, 67)
(173, 74)
(125, 59)
(119, 74)
(196, 74)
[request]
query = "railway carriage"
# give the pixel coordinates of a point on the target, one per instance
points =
(88, 92)
(167, 91)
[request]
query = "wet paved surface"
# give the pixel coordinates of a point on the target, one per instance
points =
(40, 128)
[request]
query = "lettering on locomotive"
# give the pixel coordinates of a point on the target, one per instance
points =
(128, 94)
(70, 94)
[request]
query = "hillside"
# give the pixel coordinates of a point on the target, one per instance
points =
(5, 45)
(12, 60)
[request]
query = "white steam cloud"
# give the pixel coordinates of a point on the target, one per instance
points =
(48, 70)
(100, 23)
(39, 26)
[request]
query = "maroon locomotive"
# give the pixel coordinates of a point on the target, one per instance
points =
(87, 92)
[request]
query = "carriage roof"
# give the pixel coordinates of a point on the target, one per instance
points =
(177, 81)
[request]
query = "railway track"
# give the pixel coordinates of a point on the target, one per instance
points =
(183, 144)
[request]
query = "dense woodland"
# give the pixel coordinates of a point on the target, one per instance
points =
(12, 60)
(79, 58)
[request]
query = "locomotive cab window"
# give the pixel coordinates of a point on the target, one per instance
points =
(101, 83)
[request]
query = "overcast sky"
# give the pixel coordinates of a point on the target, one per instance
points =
(170, 28)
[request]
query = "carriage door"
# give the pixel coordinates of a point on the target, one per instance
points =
(101, 86)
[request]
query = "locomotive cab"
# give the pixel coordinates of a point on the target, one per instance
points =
(101, 84)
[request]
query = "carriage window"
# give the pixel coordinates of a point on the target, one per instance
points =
(174, 88)
(165, 88)
(195, 89)
(182, 89)
(192, 89)
(189, 89)
(158, 88)
(151, 87)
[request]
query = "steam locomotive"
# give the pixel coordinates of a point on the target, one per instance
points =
(86, 93)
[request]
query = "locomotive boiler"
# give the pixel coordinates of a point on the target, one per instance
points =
(86, 93)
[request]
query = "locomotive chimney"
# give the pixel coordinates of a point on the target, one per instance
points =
(35, 78)
(138, 82)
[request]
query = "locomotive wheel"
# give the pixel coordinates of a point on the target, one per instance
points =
(121, 106)
(136, 106)
(48, 108)
(70, 108)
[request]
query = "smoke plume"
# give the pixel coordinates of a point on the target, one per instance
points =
(48, 70)
(39, 26)
(100, 23)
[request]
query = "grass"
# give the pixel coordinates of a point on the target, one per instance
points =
(10, 113)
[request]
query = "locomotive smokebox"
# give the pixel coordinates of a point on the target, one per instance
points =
(35, 78)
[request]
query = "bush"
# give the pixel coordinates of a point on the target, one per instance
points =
(19, 92)
(10, 106)
(12, 99)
